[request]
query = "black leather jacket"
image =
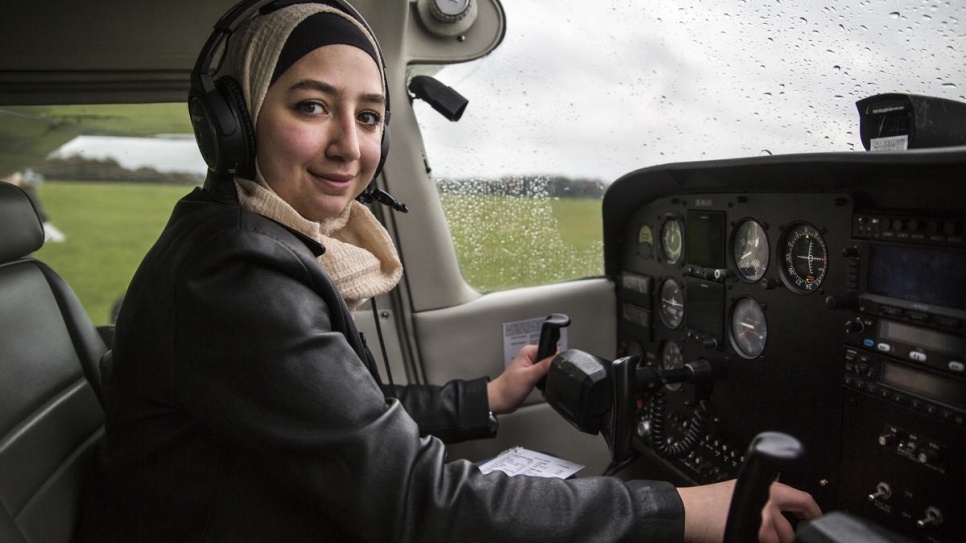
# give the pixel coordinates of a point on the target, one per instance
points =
(242, 406)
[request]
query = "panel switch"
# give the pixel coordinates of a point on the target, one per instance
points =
(882, 492)
(933, 517)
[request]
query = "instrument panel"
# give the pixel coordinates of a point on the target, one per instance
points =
(828, 293)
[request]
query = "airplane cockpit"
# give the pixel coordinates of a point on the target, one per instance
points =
(734, 223)
(852, 267)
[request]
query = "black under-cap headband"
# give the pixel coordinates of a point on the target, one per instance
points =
(319, 30)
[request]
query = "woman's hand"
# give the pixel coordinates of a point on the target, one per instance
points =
(508, 391)
(775, 528)
(706, 512)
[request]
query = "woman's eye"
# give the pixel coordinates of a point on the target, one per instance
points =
(310, 108)
(370, 118)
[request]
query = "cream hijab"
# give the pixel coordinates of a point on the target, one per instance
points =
(359, 257)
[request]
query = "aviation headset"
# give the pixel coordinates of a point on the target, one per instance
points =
(219, 116)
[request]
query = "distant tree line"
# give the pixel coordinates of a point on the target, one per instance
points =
(530, 186)
(77, 168)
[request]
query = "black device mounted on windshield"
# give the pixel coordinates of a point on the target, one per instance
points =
(893, 122)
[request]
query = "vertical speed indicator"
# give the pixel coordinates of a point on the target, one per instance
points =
(804, 258)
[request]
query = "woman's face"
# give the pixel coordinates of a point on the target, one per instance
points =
(319, 130)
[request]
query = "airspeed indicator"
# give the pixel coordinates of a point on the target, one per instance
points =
(749, 249)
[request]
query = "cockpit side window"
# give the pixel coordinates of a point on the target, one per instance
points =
(104, 178)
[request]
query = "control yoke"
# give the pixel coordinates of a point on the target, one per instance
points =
(600, 396)
(768, 453)
(549, 337)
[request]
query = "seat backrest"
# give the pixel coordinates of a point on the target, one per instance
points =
(50, 418)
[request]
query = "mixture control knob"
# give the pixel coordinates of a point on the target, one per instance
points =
(933, 517)
(882, 492)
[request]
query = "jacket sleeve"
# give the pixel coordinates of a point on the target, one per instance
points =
(260, 361)
(454, 412)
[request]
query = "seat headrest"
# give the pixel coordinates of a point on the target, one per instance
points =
(21, 231)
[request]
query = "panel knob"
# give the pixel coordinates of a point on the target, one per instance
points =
(928, 456)
(854, 327)
(887, 439)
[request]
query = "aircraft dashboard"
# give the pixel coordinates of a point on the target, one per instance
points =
(828, 294)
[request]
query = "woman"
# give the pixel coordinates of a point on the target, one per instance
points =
(243, 405)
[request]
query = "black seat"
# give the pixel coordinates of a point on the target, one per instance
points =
(51, 419)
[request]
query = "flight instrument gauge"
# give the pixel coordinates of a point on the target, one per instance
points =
(672, 240)
(671, 304)
(749, 330)
(671, 359)
(749, 249)
(803, 258)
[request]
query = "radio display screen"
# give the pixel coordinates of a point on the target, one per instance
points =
(921, 337)
(927, 385)
(916, 274)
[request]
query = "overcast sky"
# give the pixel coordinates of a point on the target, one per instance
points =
(632, 84)
(600, 89)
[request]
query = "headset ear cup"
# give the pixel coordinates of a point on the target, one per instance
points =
(238, 153)
(203, 108)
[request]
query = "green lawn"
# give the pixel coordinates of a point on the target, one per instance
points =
(109, 228)
(505, 242)
(502, 242)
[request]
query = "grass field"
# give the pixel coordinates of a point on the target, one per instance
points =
(502, 242)
(505, 242)
(109, 228)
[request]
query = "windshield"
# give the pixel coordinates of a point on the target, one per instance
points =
(589, 92)
(598, 93)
